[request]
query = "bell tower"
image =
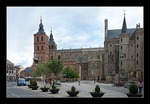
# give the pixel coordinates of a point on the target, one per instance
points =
(41, 51)
(52, 45)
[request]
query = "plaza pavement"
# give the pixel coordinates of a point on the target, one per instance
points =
(85, 87)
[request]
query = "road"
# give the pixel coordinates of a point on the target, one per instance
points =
(14, 91)
(85, 87)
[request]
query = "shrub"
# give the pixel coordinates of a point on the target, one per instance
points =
(97, 89)
(34, 83)
(31, 81)
(44, 86)
(133, 89)
(73, 88)
(53, 86)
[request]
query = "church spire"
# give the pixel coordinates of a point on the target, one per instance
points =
(41, 29)
(124, 26)
(51, 39)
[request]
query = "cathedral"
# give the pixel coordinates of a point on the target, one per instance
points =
(121, 58)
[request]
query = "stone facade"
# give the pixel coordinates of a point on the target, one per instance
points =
(124, 52)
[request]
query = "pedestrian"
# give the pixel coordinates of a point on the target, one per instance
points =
(79, 82)
(140, 86)
(45, 81)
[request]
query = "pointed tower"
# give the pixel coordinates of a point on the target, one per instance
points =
(41, 51)
(124, 51)
(124, 26)
(52, 45)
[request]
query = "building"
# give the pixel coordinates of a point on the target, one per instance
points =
(88, 61)
(18, 70)
(10, 70)
(121, 58)
(124, 53)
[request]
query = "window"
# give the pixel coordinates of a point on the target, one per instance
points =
(37, 39)
(121, 39)
(137, 62)
(137, 37)
(41, 47)
(137, 45)
(52, 46)
(124, 55)
(110, 45)
(76, 58)
(121, 47)
(59, 57)
(52, 57)
(85, 57)
(112, 58)
(41, 38)
(37, 48)
(98, 56)
(121, 63)
(137, 54)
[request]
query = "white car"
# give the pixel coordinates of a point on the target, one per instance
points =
(57, 82)
(126, 85)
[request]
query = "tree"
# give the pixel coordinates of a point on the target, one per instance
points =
(55, 66)
(70, 72)
(42, 69)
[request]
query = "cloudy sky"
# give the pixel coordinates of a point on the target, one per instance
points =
(72, 27)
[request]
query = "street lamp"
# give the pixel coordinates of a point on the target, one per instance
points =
(95, 65)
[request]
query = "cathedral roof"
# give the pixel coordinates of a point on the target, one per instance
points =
(116, 32)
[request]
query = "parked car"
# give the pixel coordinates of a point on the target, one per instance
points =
(57, 82)
(21, 82)
(126, 85)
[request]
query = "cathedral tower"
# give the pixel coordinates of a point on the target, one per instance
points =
(52, 45)
(41, 51)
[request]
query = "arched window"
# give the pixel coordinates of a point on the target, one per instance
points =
(76, 58)
(85, 57)
(59, 57)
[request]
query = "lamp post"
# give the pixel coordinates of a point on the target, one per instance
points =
(95, 65)
(113, 74)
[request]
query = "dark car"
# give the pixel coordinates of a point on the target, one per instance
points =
(21, 82)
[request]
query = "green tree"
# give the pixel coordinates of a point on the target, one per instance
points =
(70, 72)
(42, 69)
(55, 66)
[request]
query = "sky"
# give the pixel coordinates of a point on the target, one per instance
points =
(72, 27)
